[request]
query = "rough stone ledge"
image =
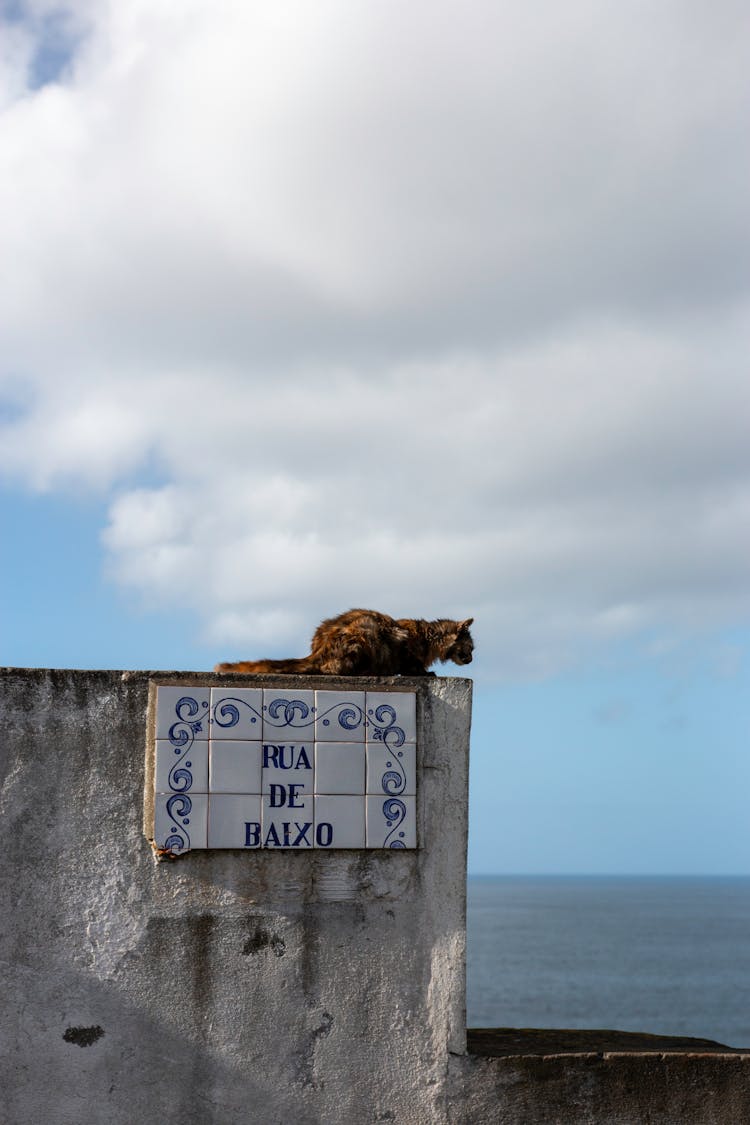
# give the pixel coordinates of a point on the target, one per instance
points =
(503, 1042)
(159, 676)
(596, 1078)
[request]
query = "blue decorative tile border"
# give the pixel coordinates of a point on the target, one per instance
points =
(269, 768)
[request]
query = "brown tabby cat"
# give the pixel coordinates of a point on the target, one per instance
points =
(362, 642)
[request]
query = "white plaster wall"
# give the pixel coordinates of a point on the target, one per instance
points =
(224, 987)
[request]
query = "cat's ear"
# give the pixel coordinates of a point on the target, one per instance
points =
(469, 621)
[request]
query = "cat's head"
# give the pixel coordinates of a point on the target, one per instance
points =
(460, 646)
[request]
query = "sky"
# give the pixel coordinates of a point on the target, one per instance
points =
(431, 308)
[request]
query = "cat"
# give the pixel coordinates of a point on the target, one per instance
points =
(362, 642)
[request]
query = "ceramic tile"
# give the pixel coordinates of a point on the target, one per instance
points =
(181, 769)
(391, 717)
(339, 767)
(180, 821)
(288, 770)
(237, 714)
(340, 716)
(289, 824)
(339, 821)
(288, 715)
(234, 820)
(392, 771)
(277, 768)
(234, 767)
(391, 822)
(182, 714)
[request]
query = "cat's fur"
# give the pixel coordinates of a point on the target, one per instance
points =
(362, 642)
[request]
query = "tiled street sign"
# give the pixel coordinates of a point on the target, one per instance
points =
(274, 768)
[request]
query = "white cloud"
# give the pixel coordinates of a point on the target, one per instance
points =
(438, 309)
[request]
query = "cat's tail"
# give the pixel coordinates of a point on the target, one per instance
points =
(301, 666)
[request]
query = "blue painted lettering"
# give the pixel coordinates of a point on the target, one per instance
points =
(288, 834)
(302, 830)
(286, 757)
(270, 755)
(324, 834)
(272, 838)
(278, 796)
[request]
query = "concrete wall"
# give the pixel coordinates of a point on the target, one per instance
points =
(306, 987)
(601, 1088)
(224, 986)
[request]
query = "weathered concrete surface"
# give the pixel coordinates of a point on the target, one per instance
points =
(272, 986)
(615, 1088)
(498, 1042)
(309, 988)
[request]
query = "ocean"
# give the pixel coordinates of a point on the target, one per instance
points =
(669, 956)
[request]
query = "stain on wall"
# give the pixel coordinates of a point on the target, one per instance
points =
(83, 1036)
